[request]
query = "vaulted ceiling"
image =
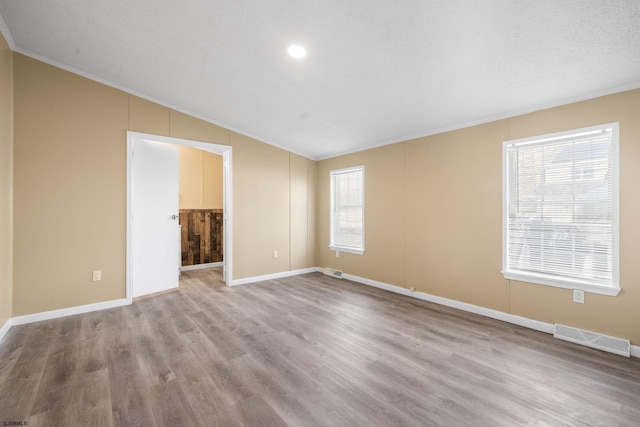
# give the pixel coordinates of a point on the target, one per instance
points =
(376, 72)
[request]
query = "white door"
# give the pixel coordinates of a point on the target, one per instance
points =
(226, 215)
(155, 229)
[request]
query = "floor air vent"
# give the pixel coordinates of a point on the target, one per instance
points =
(592, 339)
(332, 272)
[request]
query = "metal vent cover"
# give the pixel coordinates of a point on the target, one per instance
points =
(592, 339)
(332, 272)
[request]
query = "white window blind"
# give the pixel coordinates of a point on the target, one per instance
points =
(561, 209)
(347, 210)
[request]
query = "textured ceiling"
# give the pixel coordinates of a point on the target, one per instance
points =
(376, 72)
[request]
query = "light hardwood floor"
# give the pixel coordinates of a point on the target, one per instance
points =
(304, 351)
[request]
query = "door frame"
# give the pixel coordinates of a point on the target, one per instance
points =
(227, 199)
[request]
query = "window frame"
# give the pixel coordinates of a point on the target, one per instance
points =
(332, 209)
(554, 280)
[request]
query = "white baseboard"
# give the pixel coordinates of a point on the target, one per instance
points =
(487, 312)
(54, 314)
(201, 266)
(471, 308)
(5, 328)
(275, 276)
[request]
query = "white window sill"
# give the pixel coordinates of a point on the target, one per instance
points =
(542, 279)
(347, 249)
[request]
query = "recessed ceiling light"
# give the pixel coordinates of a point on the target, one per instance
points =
(297, 51)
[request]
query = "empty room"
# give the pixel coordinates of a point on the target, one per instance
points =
(336, 213)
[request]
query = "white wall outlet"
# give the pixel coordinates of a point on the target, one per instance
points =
(337, 254)
(97, 275)
(578, 296)
(275, 254)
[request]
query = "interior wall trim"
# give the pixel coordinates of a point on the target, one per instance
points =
(130, 91)
(487, 312)
(274, 276)
(201, 266)
(64, 312)
(4, 30)
(5, 328)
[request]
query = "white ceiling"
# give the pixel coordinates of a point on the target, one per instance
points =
(377, 71)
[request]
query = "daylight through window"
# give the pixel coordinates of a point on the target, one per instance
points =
(560, 213)
(347, 210)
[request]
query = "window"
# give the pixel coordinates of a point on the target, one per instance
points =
(560, 209)
(347, 210)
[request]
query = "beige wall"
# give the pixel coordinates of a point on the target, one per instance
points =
(70, 188)
(619, 316)
(200, 179)
(6, 178)
(433, 217)
(273, 193)
(302, 185)
(384, 258)
(212, 185)
(187, 127)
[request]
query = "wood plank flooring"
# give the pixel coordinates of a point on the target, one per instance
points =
(304, 351)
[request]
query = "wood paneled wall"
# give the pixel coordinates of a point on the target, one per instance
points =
(201, 236)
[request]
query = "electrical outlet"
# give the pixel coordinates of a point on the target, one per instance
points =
(337, 254)
(275, 254)
(97, 275)
(578, 296)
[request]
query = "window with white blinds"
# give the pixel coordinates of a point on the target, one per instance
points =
(560, 209)
(347, 210)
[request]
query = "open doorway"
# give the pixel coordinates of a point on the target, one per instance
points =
(145, 168)
(201, 208)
